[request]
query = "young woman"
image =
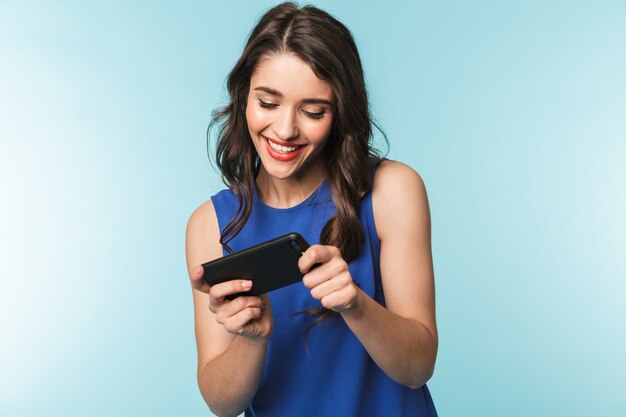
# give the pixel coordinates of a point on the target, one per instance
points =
(358, 336)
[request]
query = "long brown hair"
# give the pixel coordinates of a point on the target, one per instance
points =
(327, 46)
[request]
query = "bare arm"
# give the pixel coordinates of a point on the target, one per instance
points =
(231, 336)
(401, 338)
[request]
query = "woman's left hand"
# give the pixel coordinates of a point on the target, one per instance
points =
(330, 281)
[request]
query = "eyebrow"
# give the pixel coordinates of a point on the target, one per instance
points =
(277, 93)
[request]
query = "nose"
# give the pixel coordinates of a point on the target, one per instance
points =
(285, 126)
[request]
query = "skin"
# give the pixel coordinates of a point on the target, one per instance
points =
(232, 336)
(288, 119)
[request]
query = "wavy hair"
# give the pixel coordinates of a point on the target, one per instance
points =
(328, 47)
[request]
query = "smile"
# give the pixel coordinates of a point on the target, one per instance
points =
(283, 149)
(283, 153)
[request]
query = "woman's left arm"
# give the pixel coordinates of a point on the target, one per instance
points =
(401, 338)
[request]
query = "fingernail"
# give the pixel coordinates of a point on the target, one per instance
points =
(246, 284)
(198, 270)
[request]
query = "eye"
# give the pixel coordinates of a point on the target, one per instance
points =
(315, 115)
(312, 115)
(267, 105)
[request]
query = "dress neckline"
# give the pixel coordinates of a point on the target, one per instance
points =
(319, 191)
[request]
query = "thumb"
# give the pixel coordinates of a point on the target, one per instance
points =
(196, 279)
(197, 272)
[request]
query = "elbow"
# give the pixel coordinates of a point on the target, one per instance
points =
(222, 412)
(423, 370)
(220, 408)
(421, 378)
(216, 403)
(425, 367)
(414, 378)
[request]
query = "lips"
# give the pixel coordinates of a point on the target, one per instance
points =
(280, 154)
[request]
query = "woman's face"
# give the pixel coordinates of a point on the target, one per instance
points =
(289, 115)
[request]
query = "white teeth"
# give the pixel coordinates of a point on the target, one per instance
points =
(280, 148)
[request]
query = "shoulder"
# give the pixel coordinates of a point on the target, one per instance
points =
(398, 192)
(395, 176)
(203, 215)
(202, 235)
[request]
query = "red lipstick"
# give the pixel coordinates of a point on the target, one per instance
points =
(282, 156)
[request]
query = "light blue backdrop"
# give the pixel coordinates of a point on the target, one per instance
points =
(513, 112)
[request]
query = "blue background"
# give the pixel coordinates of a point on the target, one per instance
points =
(514, 113)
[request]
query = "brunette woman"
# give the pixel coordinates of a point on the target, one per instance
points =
(358, 336)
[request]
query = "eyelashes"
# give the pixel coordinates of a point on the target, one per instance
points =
(312, 115)
(267, 105)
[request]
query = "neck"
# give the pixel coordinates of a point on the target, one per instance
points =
(288, 192)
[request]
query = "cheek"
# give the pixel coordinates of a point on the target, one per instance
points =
(257, 119)
(319, 132)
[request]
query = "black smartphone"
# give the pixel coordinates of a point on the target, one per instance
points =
(269, 265)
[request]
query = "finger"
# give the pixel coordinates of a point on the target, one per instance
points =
(219, 291)
(337, 283)
(341, 300)
(309, 258)
(316, 254)
(196, 276)
(265, 302)
(232, 308)
(198, 271)
(329, 270)
(239, 321)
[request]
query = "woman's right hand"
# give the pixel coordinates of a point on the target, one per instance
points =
(246, 316)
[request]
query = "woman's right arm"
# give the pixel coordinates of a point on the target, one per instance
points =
(231, 336)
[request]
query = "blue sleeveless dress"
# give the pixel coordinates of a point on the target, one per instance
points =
(329, 373)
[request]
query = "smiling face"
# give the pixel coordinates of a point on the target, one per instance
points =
(289, 114)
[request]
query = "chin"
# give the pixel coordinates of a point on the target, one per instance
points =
(278, 172)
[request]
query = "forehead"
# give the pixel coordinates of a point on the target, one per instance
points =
(291, 76)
